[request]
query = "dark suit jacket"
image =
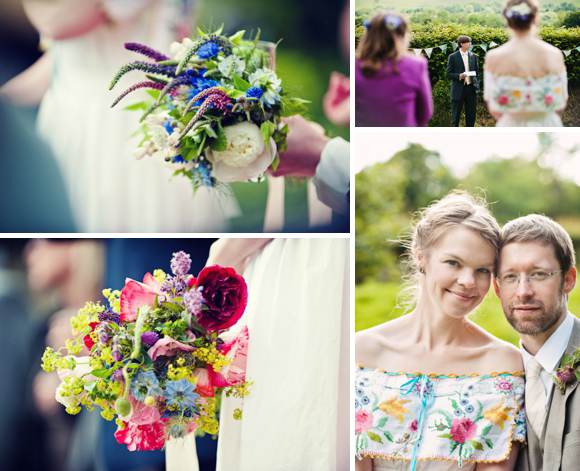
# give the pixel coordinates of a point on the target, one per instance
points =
(455, 67)
(558, 448)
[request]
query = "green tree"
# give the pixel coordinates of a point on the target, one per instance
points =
(572, 19)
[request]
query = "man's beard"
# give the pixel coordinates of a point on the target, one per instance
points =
(536, 324)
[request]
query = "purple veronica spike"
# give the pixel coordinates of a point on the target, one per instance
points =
(180, 263)
(193, 300)
(148, 67)
(181, 80)
(146, 51)
(216, 96)
(154, 85)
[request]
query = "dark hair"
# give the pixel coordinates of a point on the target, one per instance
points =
(463, 39)
(517, 20)
(378, 42)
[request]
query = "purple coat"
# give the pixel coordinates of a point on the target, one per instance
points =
(389, 99)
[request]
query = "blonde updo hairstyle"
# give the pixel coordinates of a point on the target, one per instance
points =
(432, 223)
(377, 44)
(514, 19)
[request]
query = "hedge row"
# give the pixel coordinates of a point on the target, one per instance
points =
(432, 35)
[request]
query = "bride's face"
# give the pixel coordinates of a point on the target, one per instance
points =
(458, 272)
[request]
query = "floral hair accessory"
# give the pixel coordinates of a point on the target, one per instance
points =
(159, 355)
(393, 21)
(367, 24)
(567, 372)
(521, 11)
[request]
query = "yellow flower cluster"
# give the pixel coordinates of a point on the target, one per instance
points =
(96, 362)
(240, 390)
(238, 413)
(159, 275)
(106, 355)
(73, 346)
(207, 421)
(86, 315)
(212, 356)
(181, 372)
(52, 360)
(113, 296)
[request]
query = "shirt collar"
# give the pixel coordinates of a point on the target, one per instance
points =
(550, 353)
(464, 53)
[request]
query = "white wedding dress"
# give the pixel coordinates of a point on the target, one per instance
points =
(297, 415)
(109, 190)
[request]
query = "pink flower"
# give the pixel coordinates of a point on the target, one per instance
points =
(141, 437)
(503, 99)
(235, 372)
(204, 384)
(414, 425)
(364, 421)
(548, 99)
(135, 294)
(168, 347)
(504, 385)
(566, 374)
(142, 414)
(462, 430)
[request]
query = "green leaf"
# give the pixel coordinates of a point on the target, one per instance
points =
(89, 386)
(486, 430)
(477, 445)
(577, 374)
(267, 128)
(209, 130)
(489, 442)
(174, 307)
(136, 106)
(444, 435)
(453, 447)
(147, 361)
(220, 143)
(240, 83)
(153, 93)
(388, 436)
(275, 163)
(293, 106)
(195, 150)
(374, 437)
(566, 359)
(237, 37)
(382, 422)
(454, 403)
(102, 373)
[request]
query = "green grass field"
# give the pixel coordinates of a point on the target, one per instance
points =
(376, 303)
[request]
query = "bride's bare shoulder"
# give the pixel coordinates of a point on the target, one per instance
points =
(504, 354)
(371, 343)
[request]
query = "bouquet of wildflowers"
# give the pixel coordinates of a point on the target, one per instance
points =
(215, 108)
(159, 354)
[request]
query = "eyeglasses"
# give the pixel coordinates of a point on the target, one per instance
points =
(536, 278)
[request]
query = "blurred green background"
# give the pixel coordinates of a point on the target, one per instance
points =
(309, 51)
(388, 193)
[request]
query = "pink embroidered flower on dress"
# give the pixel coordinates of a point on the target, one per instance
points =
(462, 430)
(414, 425)
(503, 100)
(364, 421)
(549, 99)
(504, 385)
(142, 437)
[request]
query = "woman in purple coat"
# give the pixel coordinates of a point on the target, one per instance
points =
(391, 86)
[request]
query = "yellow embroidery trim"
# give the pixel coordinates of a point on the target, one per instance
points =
(524, 76)
(440, 375)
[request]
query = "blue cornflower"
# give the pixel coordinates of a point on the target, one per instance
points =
(145, 384)
(167, 126)
(208, 50)
(178, 159)
(199, 84)
(254, 92)
(180, 393)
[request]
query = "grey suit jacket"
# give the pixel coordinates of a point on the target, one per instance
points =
(558, 448)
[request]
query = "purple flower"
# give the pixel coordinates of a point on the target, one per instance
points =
(104, 334)
(180, 287)
(180, 263)
(167, 285)
(118, 374)
(566, 374)
(108, 315)
(146, 51)
(193, 300)
(149, 338)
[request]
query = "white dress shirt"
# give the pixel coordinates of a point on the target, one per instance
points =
(332, 177)
(550, 354)
(465, 57)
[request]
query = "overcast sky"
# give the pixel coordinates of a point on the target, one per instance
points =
(460, 150)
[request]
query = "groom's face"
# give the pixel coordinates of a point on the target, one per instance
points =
(532, 307)
(465, 46)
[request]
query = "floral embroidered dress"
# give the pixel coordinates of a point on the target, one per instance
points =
(526, 101)
(437, 422)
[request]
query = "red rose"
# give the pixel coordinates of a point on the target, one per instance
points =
(462, 430)
(503, 100)
(87, 338)
(224, 293)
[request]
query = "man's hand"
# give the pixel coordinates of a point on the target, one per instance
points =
(305, 140)
(462, 76)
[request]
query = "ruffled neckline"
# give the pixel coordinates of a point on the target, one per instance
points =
(443, 376)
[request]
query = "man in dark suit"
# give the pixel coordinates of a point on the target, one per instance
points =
(464, 86)
(535, 275)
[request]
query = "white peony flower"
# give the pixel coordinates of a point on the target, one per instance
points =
(179, 50)
(246, 155)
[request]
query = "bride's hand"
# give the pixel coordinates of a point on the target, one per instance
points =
(234, 253)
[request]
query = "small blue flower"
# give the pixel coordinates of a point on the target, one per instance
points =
(254, 92)
(145, 384)
(208, 50)
(469, 409)
(167, 126)
(365, 400)
(356, 404)
(464, 402)
(466, 394)
(458, 412)
(471, 387)
(178, 159)
(180, 393)
(359, 392)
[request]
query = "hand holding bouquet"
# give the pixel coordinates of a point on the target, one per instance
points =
(215, 108)
(158, 355)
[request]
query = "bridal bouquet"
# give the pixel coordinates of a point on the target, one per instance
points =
(215, 107)
(159, 354)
